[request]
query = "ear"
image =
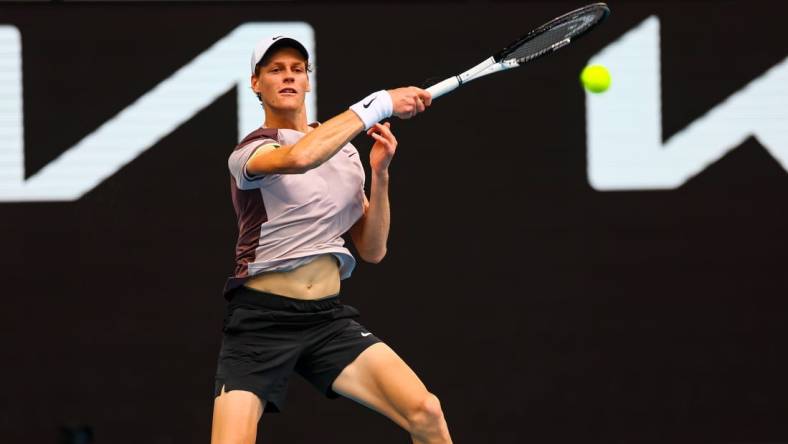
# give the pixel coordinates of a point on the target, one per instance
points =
(253, 81)
(308, 85)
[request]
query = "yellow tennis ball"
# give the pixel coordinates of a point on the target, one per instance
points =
(595, 78)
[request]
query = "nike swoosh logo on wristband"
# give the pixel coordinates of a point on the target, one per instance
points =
(366, 105)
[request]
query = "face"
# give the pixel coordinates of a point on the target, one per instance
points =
(283, 81)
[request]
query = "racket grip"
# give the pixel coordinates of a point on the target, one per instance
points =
(443, 87)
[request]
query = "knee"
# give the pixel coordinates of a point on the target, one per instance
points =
(426, 417)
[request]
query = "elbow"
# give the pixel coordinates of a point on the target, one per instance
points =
(374, 257)
(299, 160)
(301, 163)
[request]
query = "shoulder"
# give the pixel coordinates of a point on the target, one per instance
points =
(259, 134)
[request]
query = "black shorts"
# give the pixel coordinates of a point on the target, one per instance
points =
(267, 337)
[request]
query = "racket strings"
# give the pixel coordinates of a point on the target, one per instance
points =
(548, 37)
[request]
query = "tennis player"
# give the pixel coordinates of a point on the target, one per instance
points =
(297, 188)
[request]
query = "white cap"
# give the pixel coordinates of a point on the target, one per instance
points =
(274, 42)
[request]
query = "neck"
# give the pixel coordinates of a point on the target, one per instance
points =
(295, 120)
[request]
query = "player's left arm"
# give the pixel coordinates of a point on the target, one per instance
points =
(370, 233)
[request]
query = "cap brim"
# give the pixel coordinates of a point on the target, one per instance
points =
(284, 42)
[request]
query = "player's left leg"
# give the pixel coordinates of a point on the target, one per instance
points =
(381, 380)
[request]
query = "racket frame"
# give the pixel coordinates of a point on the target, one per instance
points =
(484, 68)
(494, 63)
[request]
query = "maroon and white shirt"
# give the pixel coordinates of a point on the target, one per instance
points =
(287, 220)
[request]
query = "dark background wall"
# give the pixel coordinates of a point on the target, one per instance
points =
(538, 309)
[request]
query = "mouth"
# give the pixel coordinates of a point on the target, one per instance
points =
(287, 91)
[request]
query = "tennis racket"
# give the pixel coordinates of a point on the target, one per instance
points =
(540, 42)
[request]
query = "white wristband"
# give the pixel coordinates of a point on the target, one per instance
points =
(374, 108)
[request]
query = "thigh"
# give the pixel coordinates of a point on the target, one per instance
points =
(329, 348)
(258, 356)
(235, 417)
(382, 381)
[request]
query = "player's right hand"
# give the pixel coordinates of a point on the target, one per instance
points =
(409, 101)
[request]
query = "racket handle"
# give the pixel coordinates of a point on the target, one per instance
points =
(443, 87)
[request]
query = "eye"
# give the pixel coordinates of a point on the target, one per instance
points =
(275, 70)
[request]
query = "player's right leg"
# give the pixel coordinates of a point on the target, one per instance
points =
(256, 359)
(235, 417)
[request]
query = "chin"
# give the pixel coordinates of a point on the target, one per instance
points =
(288, 107)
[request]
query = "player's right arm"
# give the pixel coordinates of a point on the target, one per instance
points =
(313, 149)
(320, 144)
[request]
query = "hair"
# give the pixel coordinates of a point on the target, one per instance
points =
(264, 62)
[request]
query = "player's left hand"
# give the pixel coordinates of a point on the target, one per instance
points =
(383, 149)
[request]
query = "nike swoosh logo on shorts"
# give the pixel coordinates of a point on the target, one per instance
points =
(370, 102)
(365, 334)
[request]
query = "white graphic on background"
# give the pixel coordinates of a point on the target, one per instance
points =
(175, 100)
(624, 125)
